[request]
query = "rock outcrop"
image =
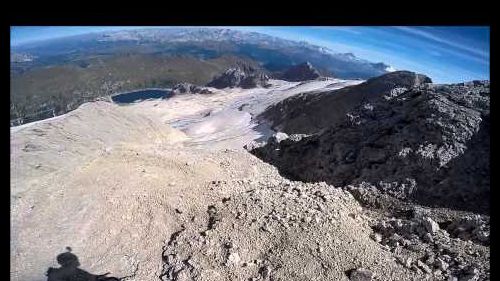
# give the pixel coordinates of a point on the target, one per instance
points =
(243, 76)
(301, 72)
(311, 112)
(429, 143)
(188, 88)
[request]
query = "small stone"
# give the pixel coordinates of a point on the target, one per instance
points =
(228, 245)
(442, 265)
(361, 274)
(183, 275)
(307, 219)
(430, 260)
(233, 258)
(398, 224)
(430, 225)
(191, 262)
(428, 238)
(265, 228)
(377, 237)
(408, 262)
(446, 258)
(424, 267)
(264, 271)
(171, 259)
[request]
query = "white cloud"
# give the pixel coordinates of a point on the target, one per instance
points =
(390, 69)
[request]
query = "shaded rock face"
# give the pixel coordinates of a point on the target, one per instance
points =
(243, 76)
(301, 72)
(187, 88)
(429, 143)
(312, 112)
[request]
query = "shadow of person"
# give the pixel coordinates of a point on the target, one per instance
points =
(69, 270)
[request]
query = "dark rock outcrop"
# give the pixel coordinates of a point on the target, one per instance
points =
(429, 143)
(187, 88)
(312, 112)
(301, 72)
(242, 76)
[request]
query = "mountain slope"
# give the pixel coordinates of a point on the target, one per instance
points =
(125, 192)
(300, 72)
(310, 113)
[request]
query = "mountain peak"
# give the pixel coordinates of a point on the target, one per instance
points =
(243, 76)
(403, 78)
(301, 72)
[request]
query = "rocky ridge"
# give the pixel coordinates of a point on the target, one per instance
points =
(243, 76)
(309, 113)
(301, 72)
(429, 143)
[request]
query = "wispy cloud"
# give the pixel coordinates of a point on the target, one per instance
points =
(346, 29)
(435, 38)
(483, 61)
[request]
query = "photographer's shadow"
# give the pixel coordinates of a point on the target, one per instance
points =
(69, 270)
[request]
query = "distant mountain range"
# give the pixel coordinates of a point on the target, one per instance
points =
(274, 54)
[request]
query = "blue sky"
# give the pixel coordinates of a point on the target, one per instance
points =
(446, 54)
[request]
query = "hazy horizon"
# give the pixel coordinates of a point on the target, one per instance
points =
(446, 54)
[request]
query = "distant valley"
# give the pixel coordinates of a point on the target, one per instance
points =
(52, 77)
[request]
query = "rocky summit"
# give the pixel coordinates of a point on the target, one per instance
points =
(245, 77)
(301, 72)
(310, 113)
